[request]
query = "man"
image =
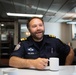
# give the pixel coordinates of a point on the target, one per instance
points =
(38, 48)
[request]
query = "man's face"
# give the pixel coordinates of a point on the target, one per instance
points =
(36, 28)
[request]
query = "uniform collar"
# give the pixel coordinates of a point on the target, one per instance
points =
(45, 40)
(31, 41)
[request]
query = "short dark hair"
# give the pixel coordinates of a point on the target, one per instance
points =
(31, 19)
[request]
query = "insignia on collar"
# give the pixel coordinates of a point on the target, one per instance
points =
(22, 39)
(52, 36)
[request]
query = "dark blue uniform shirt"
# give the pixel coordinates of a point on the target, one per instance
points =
(51, 47)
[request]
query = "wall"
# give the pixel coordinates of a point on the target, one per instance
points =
(57, 29)
(53, 28)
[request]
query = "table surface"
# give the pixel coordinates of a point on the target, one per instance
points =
(63, 70)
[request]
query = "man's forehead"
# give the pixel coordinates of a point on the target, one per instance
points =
(35, 20)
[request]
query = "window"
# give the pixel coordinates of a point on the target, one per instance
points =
(74, 31)
(24, 31)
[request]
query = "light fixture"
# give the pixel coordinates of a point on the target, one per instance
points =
(24, 15)
(2, 24)
(71, 22)
(27, 33)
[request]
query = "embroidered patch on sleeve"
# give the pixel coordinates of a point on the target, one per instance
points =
(17, 47)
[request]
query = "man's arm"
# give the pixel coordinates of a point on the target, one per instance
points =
(70, 57)
(39, 63)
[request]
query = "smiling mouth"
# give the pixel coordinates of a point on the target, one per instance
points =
(39, 33)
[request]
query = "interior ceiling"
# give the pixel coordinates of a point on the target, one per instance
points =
(52, 10)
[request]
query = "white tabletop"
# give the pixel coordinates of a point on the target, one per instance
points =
(63, 70)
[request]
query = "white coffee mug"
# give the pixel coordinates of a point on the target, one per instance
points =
(54, 63)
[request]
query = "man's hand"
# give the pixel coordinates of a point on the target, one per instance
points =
(40, 63)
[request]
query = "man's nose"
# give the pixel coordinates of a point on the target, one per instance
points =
(38, 27)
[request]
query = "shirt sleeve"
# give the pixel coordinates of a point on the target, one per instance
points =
(18, 51)
(63, 48)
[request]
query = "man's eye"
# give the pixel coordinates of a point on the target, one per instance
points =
(40, 25)
(33, 26)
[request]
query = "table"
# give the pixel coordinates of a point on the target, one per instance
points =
(63, 70)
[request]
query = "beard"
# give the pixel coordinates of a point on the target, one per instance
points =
(38, 35)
